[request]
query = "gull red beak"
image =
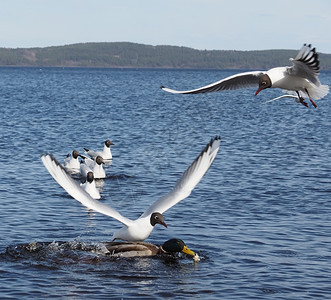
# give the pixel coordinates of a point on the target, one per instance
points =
(259, 90)
(164, 224)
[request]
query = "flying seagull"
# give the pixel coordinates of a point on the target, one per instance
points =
(141, 228)
(301, 77)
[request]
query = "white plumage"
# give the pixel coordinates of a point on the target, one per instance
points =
(71, 162)
(301, 77)
(105, 153)
(142, 227)
(95, 166)
(90, 187)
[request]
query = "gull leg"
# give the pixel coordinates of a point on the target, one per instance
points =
(301, 99)
(311, 100)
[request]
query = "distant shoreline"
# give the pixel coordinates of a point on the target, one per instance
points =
(125, 55)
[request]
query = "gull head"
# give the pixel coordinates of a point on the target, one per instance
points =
(157, 218)
(264, 83)
(99, 160)
(108, 143)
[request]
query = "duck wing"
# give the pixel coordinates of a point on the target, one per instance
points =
(234, 82)
(189, 179)
(61, 176)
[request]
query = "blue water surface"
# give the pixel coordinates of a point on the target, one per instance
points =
(259, 219)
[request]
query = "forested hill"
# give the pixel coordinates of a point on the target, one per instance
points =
(131, 55)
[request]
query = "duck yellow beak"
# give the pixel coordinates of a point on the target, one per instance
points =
(188, 251)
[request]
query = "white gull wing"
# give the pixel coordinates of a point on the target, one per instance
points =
(234, 82)
(75, 190)
(306, 64)
(189, 179)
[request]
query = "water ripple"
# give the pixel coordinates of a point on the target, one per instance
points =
(259, 219)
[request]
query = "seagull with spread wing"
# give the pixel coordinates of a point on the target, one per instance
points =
(301, 77)
(141, 228)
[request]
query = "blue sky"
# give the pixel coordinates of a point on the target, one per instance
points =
(200, 24)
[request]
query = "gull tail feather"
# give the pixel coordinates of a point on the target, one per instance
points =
(318, 92)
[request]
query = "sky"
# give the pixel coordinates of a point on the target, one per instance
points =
(199, 24)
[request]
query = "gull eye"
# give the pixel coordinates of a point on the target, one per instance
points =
(264, 82)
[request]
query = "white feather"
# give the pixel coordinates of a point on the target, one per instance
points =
(141, 228)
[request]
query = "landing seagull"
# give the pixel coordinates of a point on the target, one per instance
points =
(301, 77)
(141, 228)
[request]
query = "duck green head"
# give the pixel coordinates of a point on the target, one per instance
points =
(176, 245)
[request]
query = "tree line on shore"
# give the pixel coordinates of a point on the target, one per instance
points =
(132, 55)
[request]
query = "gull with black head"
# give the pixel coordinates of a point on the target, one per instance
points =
(301, 77)
(90, 187)
(95, 166)
(105, 153)
(141, 228)
(71, 162)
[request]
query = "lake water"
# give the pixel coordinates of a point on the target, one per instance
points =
(260, 219)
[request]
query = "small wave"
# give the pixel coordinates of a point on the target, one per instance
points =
(118, 176)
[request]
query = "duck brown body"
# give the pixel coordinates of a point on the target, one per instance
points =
(132, 249)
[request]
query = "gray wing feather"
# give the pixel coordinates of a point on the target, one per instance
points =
(306, 64)
(238, 81)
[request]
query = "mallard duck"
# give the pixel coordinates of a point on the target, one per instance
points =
(112, 249)
(134, 249)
